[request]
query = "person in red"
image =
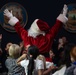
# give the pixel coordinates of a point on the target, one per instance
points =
(39, 34)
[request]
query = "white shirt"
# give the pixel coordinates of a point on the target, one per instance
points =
(61, 71)
(38, 64)
(24, 63)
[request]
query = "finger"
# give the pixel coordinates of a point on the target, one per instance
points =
(65, 6)
(11, 11)
(6, 11)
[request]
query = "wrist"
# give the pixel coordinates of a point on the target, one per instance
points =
(13, 21)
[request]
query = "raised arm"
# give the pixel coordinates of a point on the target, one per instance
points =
(13, 21)
(61, 19)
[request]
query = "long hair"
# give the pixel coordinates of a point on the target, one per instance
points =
(34, 51)
(41, 57)
(66, 56)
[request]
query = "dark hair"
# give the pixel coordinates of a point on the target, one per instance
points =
(66, 56)
(34, 51)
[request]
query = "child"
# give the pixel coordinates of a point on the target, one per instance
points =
(30, 63)
(11, 62)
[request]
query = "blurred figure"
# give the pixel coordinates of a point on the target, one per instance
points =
(51, 54)
(58, 49)
(71, 70)
(66, 60)
(3, 70)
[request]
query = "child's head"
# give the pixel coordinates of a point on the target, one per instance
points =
(51, 54)
(32, 53)
(33, 50)
(14, 51)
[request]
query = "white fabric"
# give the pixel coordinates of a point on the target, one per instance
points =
(62, 18)
(34, 30)
(24, 63)
(61, 71)
(38, 65)
(7, 13)
(48, 64)
(34, 27)
(65, 9)
(13, 21)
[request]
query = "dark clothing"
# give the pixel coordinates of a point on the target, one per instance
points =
(71, 70)
(13, 67)
(2, 63)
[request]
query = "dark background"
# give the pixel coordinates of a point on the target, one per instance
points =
(47, 10)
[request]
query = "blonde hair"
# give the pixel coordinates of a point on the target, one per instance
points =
(41, 57)
(14, 51)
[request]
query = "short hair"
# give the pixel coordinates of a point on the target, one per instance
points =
(14, 51)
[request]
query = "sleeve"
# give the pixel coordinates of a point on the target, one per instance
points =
(61, 71)
(55, 29)
(56, 73)
(7, 62)
(39, 64)
(24, 63)
(20, 30)
(48, 64)
(61, 19)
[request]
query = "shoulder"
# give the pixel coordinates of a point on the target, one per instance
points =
(8, 60)
(39, 64)
(24, 62)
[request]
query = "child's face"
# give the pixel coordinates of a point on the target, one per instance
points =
(51, 54)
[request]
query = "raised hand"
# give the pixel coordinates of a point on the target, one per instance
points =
(65, 9)
(8, 13)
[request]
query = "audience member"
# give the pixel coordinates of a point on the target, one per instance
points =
(11, 62)
(67, 59)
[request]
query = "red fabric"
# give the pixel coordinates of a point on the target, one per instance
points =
(49, 59)
(43, 26)
(44, 43)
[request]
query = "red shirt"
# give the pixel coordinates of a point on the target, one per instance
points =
(44, 43)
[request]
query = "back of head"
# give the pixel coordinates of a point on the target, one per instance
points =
(34, 51)
(14, 51)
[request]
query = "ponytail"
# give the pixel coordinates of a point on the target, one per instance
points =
(30, 66)
(34, 51)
